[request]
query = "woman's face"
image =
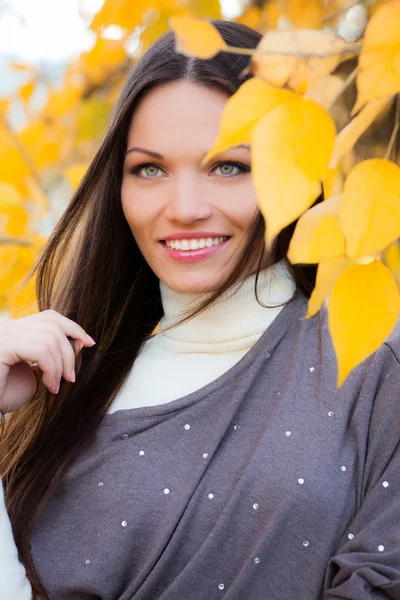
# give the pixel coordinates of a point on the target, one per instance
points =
(203, 212)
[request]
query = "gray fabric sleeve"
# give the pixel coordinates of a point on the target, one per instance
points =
(367, 562)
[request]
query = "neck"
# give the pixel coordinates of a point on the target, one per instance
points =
(237, 320)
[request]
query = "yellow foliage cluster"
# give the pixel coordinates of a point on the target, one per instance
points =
(285, 112)
(295, 147)
(60, 139)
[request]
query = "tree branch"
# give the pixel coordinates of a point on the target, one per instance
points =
(15, 241)
(351, 48)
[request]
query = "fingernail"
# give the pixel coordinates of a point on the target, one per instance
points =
(72, 375)
(91, 339)
(56, 387)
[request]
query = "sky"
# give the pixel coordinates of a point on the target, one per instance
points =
(49, 29)
(54, 30)
(50, 34)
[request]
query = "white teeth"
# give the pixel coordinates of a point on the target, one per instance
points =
(194, 244)
(185, 245)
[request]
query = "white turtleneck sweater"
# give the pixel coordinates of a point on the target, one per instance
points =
(195, 353)
(187, 357)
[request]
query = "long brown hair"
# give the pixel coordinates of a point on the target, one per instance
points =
(93, 272)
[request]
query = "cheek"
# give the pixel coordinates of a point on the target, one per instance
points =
(136, 212)
(242, 207)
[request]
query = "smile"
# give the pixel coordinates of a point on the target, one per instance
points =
(195, 243)
(193, 250)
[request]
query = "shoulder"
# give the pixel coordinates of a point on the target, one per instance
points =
(375, 367)
(393, 341)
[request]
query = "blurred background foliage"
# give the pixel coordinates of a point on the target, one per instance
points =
(43, 161)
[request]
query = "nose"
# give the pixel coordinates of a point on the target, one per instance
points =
(187, 200)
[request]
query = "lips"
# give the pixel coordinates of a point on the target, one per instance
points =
(186, 256)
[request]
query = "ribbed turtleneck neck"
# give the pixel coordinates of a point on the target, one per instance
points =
(187, 357)
(236, 321)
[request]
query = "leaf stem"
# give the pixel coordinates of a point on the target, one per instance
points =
(235, 50)
(391, 149)
(352, 48)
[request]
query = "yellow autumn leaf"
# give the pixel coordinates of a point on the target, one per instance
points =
(195, 37)
(8, 262)
(39, 201)
(13, 168)
(300, 13)
(363, 308)
(271, 14)
(21, 295)
(391, 258)
(348, 136)
(16, 66)
(13, 215)
(75, 173)
(9, 196)
(290, 68)
(62, 102)
(317, 235)
(243, 110)
(328, 271)
(333, 183)
(379, 60)
(116, 12)
(204, 9)
(324, 89)
(252, 17)
(290, 151)
(15, 262)
(16, 222)
(155, 24)
(125, 13)
(105, 56)
(369, 212)
(22, 302)
(42, 142)
(305, 13)
(25, 91)
(4, 105)
(91, 118)
(156, 20)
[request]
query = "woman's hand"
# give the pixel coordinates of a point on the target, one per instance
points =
(42, 338)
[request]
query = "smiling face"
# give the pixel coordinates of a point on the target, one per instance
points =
(167, 194)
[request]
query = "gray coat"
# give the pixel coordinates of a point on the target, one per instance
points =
(266, 484)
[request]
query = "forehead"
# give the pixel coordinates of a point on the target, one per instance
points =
(176, 109)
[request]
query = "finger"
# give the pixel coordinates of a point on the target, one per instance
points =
(77, 345)
(66, 348)
(70, 328)
(48, 361)
(67, 355)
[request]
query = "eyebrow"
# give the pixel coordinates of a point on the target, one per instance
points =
(161, 157)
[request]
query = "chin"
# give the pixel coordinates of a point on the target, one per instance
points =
(192, 286)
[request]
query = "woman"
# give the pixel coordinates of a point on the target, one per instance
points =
(215, 458)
